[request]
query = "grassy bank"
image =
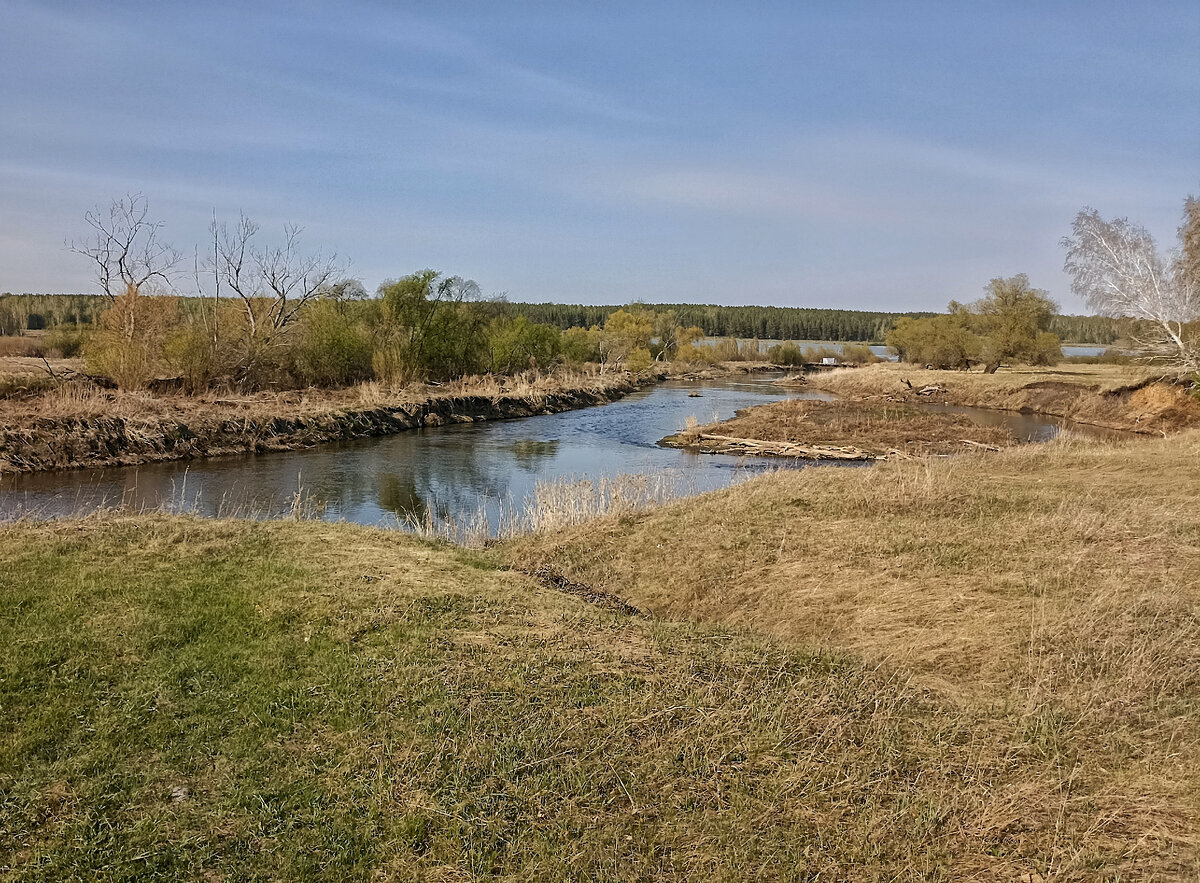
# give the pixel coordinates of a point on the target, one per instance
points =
(1046, 597)
(230, 700)
(1114, 396)
(840, 430)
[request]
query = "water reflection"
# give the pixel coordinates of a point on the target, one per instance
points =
(528, 453)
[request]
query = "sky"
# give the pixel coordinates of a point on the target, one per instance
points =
(879, 156)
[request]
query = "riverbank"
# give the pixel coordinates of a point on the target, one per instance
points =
(1120, 397)
(1045, 597)
(979, 667)
(78, 426)
(840, 430)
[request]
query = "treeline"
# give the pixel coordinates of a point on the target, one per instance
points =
(33, 312)
(423, 327)
(774, 323)
(1100, 330)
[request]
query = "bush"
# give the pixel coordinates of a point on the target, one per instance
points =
(518, 344)
(820, 353)
(127, 348)
(580, 345)
(693, 354)
(728, 349)
(1109, 357)
(331, 350)
(191, 354)
(786, 354)
(858, 354)
(638, 359)
(66, 342)
(390, 364)
(940, 341)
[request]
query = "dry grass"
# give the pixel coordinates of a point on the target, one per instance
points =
(26, 346)
(553, 505)
(1048, 595)
(84, 400)
(876, 428)
(1103, 395)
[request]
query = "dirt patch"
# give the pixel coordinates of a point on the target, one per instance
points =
(841, 431)
(552, 579)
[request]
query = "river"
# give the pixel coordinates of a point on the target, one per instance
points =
(453, 473)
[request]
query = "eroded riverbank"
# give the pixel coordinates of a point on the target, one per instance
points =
(99, 429)
(459, 472)
(1120, 397)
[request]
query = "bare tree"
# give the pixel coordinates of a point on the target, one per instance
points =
(125, 247)
(1116, 267)
(273, 283)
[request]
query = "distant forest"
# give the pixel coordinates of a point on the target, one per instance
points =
(795, 323)
(22, 312)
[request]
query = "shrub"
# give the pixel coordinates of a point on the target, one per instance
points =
(728, 349)
(191, 353)
(518, 344)
(580, 345)
(786, 354)
(331, 350)
(858, 354)
(66, 342)
(127, 348)
(639, 359)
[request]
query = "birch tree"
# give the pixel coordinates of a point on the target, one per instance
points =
(1117, 269)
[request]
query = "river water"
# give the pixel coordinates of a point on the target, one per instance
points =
(453, 473)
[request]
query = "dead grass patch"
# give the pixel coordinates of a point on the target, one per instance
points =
(1102, 395)
(1047, 592)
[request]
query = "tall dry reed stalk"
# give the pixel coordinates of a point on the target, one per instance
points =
(554, 505)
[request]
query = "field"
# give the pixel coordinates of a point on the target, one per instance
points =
(1045, 599)
(192, 700)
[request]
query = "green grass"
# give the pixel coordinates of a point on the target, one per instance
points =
(229, 700)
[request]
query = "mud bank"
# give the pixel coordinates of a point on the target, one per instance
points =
(840, 430)
(37, 443)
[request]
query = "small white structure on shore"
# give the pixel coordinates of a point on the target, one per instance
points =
(828, 360)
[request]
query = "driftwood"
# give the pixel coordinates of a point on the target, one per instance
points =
(709, 443)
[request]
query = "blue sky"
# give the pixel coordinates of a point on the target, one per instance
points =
(856, 155)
